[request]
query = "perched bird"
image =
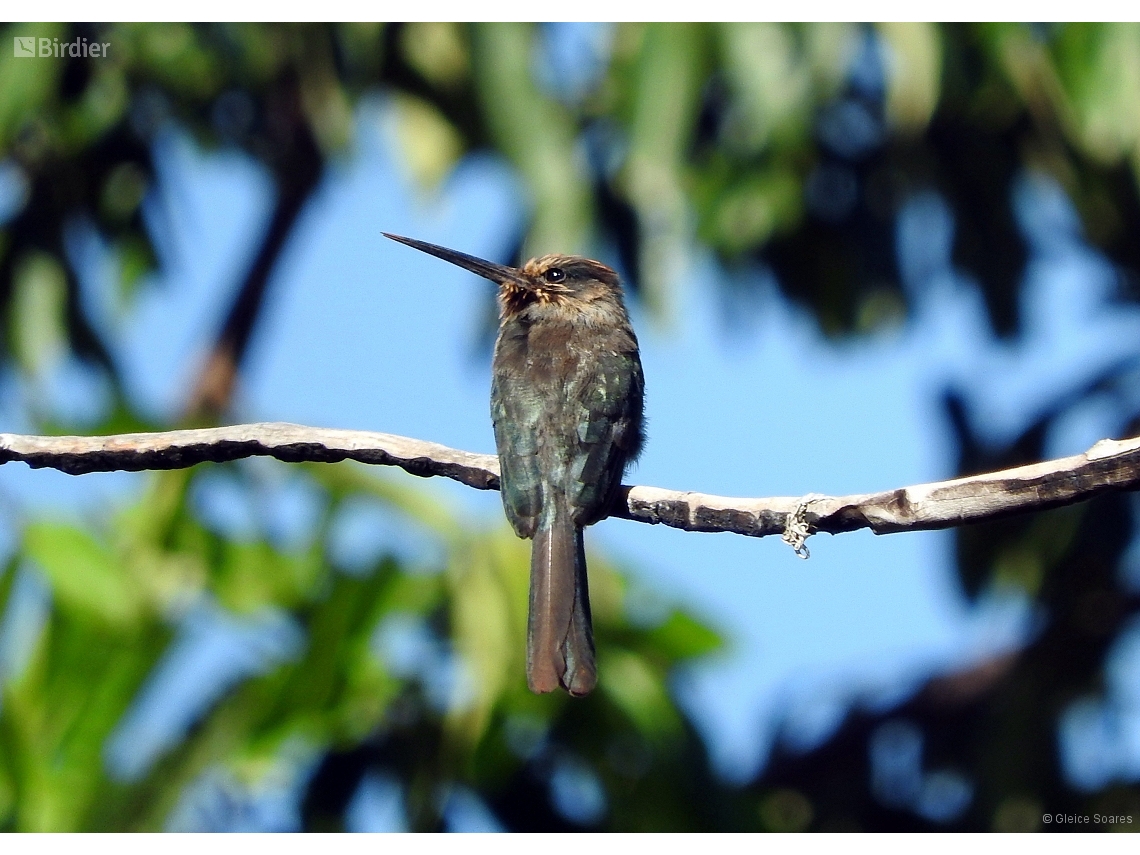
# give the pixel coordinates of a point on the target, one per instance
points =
(566, 402)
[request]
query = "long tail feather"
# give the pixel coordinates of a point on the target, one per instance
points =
(560, 638)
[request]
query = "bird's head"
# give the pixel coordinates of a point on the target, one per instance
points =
(567, 280)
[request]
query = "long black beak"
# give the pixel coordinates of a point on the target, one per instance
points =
(497, 273)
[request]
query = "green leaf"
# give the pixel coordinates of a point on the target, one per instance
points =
(39, 331)
(429, 144)
(252, 575)
(85, 576)
(536, 133)
(27, 84)
(640, 692)
(488, 578)
(665, 106)
(914, 73)
(683, 637)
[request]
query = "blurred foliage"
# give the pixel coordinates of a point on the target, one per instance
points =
(117, 595)
(791, 147)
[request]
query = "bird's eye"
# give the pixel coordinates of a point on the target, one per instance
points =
(554, 274)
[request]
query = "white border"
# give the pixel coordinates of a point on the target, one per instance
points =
(585, 10)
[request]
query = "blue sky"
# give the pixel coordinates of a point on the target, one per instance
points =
(365, 333)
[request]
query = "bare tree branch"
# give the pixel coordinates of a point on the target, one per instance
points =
(1108, 465)
(179, 449)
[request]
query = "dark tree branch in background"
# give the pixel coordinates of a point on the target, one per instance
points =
(297, 163)
(1108, 465)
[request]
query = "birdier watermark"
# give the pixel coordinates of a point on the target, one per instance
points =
(31, 46)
